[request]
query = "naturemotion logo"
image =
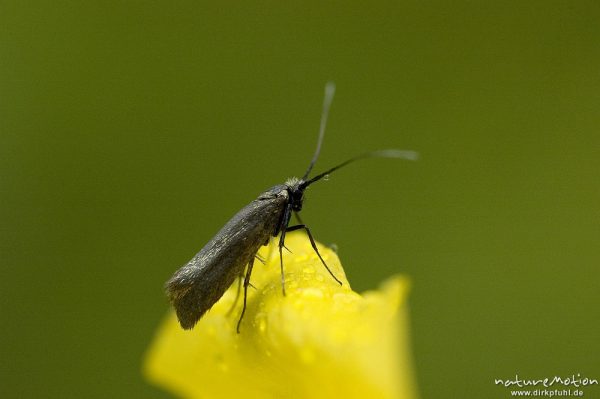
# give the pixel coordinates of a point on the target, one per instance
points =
(539, 386)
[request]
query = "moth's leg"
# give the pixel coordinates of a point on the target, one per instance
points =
(246, 284)
(260, 259)
(283, 227)
(237, 294)
(314, 245)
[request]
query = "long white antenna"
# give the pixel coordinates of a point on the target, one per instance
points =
(329, 92)
(389, 153)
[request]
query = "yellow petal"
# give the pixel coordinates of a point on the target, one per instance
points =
(321, 340)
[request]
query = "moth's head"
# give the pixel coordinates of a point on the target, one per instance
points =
(295, 188)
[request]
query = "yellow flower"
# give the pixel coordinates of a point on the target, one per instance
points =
(321, 340)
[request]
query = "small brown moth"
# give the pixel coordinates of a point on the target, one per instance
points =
(196, 286)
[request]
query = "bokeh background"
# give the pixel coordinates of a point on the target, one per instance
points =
(131, 131)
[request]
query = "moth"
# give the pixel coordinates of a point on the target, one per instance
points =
(230, 254)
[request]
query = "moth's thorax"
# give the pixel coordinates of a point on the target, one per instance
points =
(292, 190)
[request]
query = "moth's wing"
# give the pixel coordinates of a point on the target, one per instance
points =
(196, 286)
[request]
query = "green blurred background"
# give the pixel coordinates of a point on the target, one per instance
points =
(131, 131)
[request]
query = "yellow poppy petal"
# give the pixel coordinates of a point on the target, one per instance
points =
(321, 340)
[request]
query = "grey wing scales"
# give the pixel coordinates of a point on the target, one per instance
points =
(196, 286)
